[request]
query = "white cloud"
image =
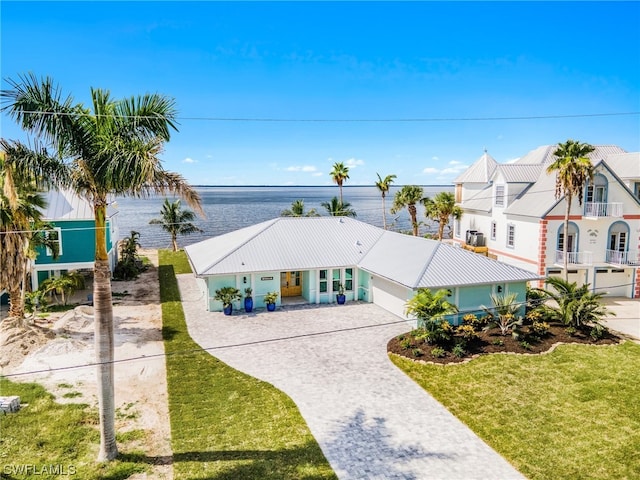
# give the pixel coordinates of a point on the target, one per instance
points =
(455, 162)
(430, 170)
(189, 160)
(353, 162)
(435, 158)
(317, 174)
(301, 168)
(513, 160)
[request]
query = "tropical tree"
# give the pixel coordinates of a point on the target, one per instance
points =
(297, 210)
(503, 314)
(23, 173)
(573, 170)
(339, 175)
(575, 306)
(111, 148)
(430, 309)
(440, 209)
(336, 208)
(65, 285)
(407, 197)
(176, 221)
(384, 185)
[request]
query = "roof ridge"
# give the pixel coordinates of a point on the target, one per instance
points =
(427, 263)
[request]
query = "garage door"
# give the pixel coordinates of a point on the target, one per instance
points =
(615, 282)
(390, 296)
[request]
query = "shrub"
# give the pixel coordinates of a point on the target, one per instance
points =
(597, 332)
(497, 341)
(417, 352)
(438, 352)
(435, 332)
(534, 316)
(467, 332)
(571, 331)
(405, 344)
(526, 345)
(540, 328)
(459, 351)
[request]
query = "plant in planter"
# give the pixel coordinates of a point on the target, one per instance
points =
(270, 299)
(248, 300)
(227, 295)
(341, 297)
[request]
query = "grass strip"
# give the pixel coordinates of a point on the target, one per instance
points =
(225, 424)
(49, 440)
(573, 413)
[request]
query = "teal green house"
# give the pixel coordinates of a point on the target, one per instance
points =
(309, 260)
(74, 231)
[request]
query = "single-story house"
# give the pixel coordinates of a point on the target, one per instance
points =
(311, 257)
(73, 223)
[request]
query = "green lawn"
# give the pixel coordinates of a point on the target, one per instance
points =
(49, 437)
(570, 414)
(225, 424)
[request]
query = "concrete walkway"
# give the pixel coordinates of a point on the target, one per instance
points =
(370, 419)
(627, 318)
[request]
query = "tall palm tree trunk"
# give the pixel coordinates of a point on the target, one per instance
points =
(565, 243)
(414, 219)
(14, 242)
(174, 242)
(340, 185)
(104, 339)
(441, 225)
(384, 213)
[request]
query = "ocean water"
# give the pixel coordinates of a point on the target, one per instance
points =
(230, 208)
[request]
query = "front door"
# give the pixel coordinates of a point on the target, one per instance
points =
(290, 284)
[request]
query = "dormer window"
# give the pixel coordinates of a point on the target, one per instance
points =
(499, 198)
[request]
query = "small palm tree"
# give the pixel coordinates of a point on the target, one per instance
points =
(339, 175)
(573, 170)
(297, 210)
(503, 314)
(65, 285)
(575, 307)
(441, 208)
(430, 309)
(336, 208)
(176, 221)
(407, 197)
(384, 185)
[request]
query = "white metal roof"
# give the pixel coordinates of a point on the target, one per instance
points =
(480, 172)
(292, 243)
(66, 205)
(520, 172)
(625, 165)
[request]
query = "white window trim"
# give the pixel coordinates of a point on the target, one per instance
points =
(494, 229)
(511, 228)
(498, 201)
(457, 227)
(58, 230)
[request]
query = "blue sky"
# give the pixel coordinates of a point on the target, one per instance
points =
(339, 61)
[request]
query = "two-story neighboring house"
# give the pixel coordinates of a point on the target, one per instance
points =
(74, 230)
(511, 213)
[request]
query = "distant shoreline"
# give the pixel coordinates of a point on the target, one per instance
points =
(320, 186)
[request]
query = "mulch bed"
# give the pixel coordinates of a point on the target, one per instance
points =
(489, 342)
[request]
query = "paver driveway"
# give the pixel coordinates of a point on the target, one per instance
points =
(370, 419)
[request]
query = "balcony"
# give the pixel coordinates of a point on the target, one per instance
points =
(632, 257)
(599, 210)
(574, 258)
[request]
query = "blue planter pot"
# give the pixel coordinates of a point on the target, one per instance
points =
(271, 307)
(228, 309)
(248, 305)
(341, 299)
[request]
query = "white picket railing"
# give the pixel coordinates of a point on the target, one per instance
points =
(579, 258)
(599, 209)
(631, 257)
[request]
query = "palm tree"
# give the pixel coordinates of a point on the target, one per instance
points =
(503, 314)
(576, 307)
(23, 173)
(430, 308)
(112, 148)
(407, 197)
(573, 170)
(441, 208)
(383, 186)
(339, 175)
(336, 208)
(297, 210)
(176, 221)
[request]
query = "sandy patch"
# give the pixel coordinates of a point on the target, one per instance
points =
(56, 354)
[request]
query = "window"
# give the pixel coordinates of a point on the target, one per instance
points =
(53, 237)
(348, 279)
(494, 229)
(499, 200)
(336, 279)
(511, 235)
(323, 281)
(457, 227)
(597, 191)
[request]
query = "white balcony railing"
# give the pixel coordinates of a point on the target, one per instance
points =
(632, 257)
(599, 209)
(574, 258)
